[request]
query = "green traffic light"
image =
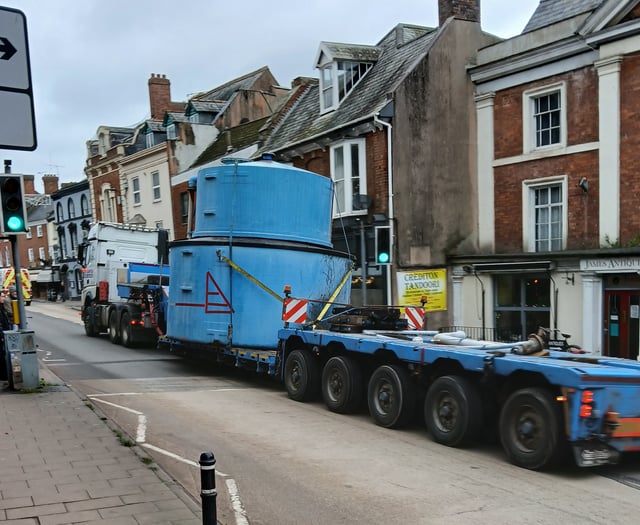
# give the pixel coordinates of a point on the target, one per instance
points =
(383, 258)
(15, 224)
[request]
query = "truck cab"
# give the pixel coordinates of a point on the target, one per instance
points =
(114, 298)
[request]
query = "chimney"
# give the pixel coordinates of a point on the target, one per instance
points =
(29, 186)
(50, 184)
(468, 10)
(159, 96)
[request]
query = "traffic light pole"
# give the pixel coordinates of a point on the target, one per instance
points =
(22, 325)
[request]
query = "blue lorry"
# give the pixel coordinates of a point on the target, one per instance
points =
(257, 285)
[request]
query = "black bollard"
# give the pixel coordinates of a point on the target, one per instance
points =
(208, 488)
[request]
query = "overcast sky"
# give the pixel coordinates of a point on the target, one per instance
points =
(91, 59)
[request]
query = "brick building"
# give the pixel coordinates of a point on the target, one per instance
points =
(557, 133)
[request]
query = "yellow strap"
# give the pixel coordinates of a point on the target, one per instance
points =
(249, 276)
(333, 296)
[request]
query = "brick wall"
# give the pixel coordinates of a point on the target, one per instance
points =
(629, 150)
(318, 161)
(582, 111)
(461, 9)
(159, 95)
(179, 229)
(582, 128)
(582, 208)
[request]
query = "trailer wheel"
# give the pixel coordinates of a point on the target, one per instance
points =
(87, 318)
(301, 376)
(453, 411)
(391, 396)
(126, 335)
(114, 335)
(341, 384)
(530, 428)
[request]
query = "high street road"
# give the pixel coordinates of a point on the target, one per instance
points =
(282, 462)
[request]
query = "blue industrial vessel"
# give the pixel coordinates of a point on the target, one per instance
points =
(259, 226)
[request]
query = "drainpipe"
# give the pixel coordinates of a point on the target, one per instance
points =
(377, 120)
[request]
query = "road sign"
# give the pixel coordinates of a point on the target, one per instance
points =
(17, 126)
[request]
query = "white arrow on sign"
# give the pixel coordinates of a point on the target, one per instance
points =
(17, 126)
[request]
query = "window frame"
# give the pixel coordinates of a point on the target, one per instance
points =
(39, 232)
(522, 310)
(155, 186)
(529, 188)
(135, 191)
(84, 206)
(336, 83)
(530, 130)
(345, 208)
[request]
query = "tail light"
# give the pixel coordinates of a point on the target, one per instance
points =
(586, 403)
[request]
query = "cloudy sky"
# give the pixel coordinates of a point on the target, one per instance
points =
(91, 59)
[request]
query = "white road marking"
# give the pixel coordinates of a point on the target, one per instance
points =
(232, 488)
(236, 504)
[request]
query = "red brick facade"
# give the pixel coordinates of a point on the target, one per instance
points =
(318, 161)
(582, 129)
(630, 150)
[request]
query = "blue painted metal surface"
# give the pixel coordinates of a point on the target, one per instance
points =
(264, 199)
(211, 302)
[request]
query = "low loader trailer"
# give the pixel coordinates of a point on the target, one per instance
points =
(544, 405)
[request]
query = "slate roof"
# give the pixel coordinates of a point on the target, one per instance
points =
(226, 91)
(209, 107)
(231, 139)
(352, 52)
(304, 122)
(553, 11)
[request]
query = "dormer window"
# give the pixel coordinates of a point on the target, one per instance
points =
(171, 131)
(149, 138)
(338, 79)
(192, 115)
(341, 67)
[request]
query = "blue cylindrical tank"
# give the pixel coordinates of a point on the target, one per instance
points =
(210, 302)
(263, 199)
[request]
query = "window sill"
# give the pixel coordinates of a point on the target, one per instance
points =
(547, 153)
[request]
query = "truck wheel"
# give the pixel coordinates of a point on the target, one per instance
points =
(530, 428)
(341, 384)
(301, 376)
(453, 411)
(126, 335)
(391, 396)
(114, 336)
(87, 318)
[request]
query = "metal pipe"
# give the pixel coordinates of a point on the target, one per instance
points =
(390, 200)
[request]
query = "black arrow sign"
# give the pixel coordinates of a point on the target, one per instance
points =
(6, 49)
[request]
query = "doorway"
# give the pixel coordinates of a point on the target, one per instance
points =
(622, 323)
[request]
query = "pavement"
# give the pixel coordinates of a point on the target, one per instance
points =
(63, 462)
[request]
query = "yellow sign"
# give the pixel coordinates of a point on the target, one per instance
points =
(432, 284)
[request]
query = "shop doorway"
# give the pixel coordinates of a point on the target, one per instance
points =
(622, 323)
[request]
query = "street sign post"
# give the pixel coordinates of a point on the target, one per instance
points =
(17, 125)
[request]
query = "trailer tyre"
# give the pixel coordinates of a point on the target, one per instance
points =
(530, 428)
(391, 396)
(342, 384)
(301, 376)
(126, 335)
(87, 318)
(114, 335)
(453, 411)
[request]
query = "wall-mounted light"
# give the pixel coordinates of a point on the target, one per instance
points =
(569, 278)
(584, 184)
